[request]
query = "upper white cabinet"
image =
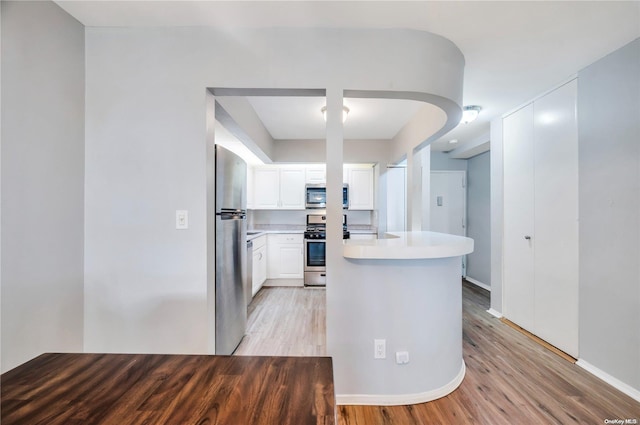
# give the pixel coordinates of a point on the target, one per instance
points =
(360, 181)
(316, 174)
(278, 187)
(541, 218)
(282, 187)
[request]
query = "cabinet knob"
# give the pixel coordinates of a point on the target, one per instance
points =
(527, 237)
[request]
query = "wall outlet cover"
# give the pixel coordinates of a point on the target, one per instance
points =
(402, 357)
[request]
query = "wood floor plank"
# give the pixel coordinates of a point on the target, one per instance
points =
(137, 389)
(510, 379)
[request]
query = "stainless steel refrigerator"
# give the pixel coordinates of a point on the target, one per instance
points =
(231, 250)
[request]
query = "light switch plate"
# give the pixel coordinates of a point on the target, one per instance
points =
(182, 219)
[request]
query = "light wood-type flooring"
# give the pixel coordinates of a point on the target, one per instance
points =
(510, 379)
(285, 321)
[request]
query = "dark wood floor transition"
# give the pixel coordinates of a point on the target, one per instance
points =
(510, 379)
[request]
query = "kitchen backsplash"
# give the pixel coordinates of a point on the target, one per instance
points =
(299, 217)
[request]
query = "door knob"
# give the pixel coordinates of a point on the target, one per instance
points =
(527, 237)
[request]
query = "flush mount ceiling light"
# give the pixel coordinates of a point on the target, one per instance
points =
(345, 112)
(470, 113)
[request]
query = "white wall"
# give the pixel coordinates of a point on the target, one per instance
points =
(442, 161)
(42, 181)
(314, 151)
(145, 282)
(609, 202)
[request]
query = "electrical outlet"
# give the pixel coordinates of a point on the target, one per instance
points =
(379, 348)
(402, 357)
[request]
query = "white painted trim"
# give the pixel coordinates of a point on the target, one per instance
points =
(495, 313)
(283, 282)
(402, 399)
(614, 382)
(478, 283)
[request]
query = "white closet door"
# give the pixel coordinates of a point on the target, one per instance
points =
(518, 272)
(556, 218)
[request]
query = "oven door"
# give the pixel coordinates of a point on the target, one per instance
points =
(314, 255)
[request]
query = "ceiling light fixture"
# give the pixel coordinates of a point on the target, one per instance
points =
(345, 112)
(453, 141)
(470, 113)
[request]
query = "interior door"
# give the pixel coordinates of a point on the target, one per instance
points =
(518, 272)
(556, 218)
(449, 205)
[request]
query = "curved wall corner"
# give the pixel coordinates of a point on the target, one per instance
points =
(145, 100)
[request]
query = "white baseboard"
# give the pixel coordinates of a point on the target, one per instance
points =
(614, 382)
(478, 283)
(284, 282)
(495, 313)
(402, 399)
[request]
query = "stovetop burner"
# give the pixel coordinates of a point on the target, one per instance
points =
(317, 227)
(317, 233)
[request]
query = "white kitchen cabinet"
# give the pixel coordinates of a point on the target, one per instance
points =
(541, 218)
(285, 256)
(259, 263)
(292, 188)
(360, 181)
(316, 174)
(278, 187)
(266, 188)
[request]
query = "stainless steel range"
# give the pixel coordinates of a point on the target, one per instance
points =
(315, 270)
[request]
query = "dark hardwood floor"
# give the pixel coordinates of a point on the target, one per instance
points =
(157, 389)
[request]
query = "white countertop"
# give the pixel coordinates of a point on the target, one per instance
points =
(409, 245)
(261, 232)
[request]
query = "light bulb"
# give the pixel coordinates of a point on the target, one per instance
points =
(345, 112)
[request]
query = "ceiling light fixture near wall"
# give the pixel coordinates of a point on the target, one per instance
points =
(470, 113)
(345, 112)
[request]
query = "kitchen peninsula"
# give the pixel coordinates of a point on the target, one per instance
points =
(404, 337)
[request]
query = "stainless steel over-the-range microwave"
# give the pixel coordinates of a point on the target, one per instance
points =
(316, 196)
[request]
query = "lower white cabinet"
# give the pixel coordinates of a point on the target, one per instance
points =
(285, 256)
(259, 269)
